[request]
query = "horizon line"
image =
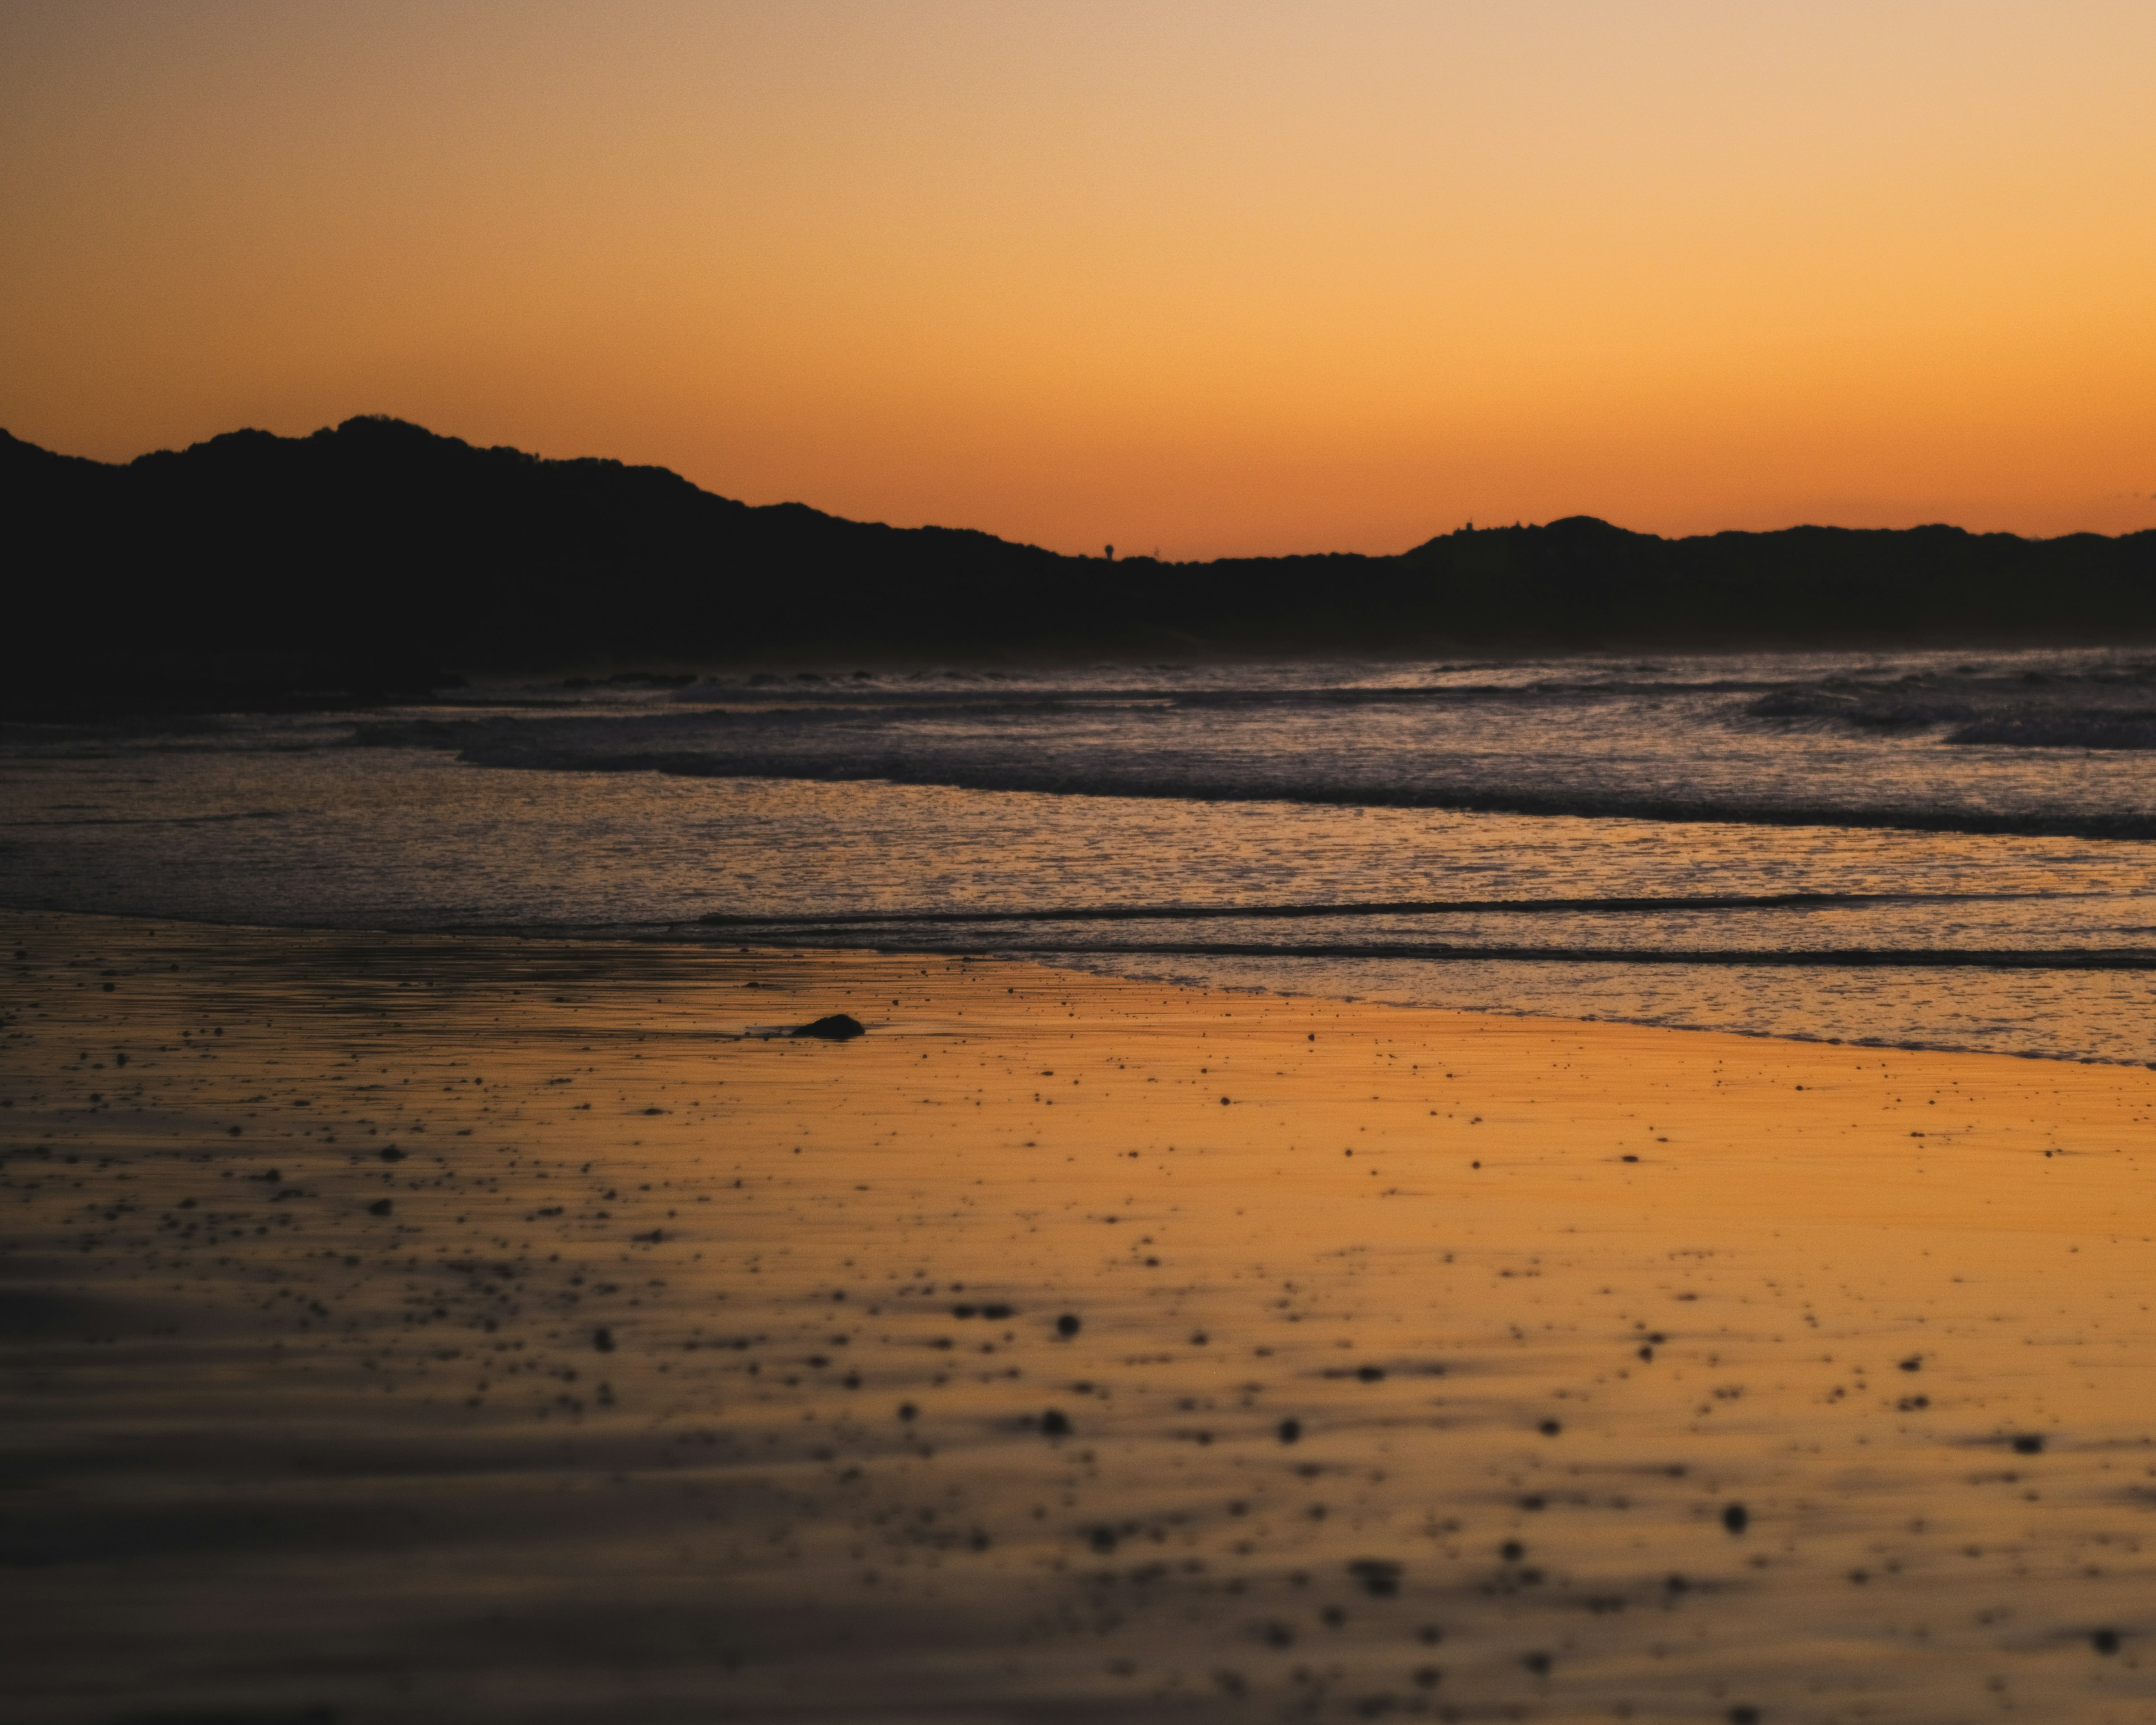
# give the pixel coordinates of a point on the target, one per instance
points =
(398, 422)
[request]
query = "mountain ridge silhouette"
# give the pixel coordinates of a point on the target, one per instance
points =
(376, 559)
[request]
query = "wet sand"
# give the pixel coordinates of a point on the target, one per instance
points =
(404, 1327)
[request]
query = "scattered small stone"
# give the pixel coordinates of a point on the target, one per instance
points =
(1736, 1518)
(1054, 1424)
(380, 1207)
(602, 1339)
(1379, 1577)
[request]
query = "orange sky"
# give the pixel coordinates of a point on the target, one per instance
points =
(1247, 276)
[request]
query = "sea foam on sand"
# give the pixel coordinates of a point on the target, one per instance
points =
(419, 1327)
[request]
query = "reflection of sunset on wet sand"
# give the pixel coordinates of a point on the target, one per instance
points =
(427, 1328)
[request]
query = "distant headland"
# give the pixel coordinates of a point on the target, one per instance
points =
(378, 559)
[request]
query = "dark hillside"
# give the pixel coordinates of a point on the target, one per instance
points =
(378, 559)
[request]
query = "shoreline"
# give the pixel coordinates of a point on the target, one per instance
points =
(696, 1377)
(685, 936)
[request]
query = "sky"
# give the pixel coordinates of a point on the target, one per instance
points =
(1204, 278)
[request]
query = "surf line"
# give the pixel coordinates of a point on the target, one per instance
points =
(1393, 907)
(2075, 959)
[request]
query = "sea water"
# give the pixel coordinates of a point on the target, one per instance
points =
(1947, 850)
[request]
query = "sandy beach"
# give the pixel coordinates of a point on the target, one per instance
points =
(450, 1328)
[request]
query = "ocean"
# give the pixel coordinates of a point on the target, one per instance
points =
(1941, 849)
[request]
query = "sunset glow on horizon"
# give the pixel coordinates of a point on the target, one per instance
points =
(1210, 278)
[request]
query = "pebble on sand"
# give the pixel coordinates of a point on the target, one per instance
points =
(1379, 1577)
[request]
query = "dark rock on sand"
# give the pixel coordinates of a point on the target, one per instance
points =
(838, 1027)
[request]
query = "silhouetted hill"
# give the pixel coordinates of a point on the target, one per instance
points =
(378, 559)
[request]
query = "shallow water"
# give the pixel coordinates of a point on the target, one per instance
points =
(1927, 849)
